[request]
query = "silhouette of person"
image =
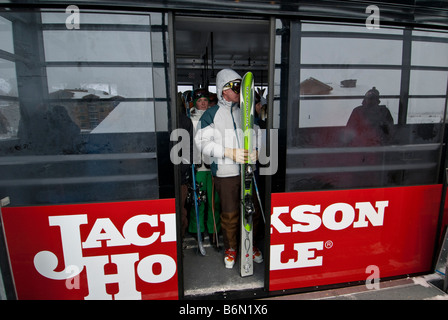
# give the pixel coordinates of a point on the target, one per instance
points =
(50, 131)
(370, 124)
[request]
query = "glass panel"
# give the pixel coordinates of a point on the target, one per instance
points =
(350, 51)
(343, 118)
(424, 82)
(6, 43)
(157, 41)
(102, 45)
(426, 110)
(9, 119)
(160, 83)
(82, 125)
(429, 48)
(429, 54)
(8, 78)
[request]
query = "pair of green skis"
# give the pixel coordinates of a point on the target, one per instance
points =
(247, 106)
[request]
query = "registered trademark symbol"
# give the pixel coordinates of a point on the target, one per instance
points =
(328, 244)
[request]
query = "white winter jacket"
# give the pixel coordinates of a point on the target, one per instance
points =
(199, 159)
(218, 129)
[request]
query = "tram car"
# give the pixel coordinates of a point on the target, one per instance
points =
(351, 178)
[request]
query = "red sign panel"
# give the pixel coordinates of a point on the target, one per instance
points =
(327, 237)
(123, 250)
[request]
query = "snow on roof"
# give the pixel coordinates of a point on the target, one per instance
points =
(128, 117)
(80, 93)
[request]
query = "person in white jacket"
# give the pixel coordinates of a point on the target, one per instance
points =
(219, 136)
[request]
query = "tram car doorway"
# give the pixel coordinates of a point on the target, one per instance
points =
(203, 47)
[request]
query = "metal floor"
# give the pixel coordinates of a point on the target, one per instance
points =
(207, 275)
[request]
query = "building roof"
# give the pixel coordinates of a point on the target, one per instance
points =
(314, 86)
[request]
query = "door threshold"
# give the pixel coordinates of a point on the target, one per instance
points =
(207, 275)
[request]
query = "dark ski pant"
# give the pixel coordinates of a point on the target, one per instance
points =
(229, 190)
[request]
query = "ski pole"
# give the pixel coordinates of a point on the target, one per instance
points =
(258, 197)
(198, 228)
(195, 195)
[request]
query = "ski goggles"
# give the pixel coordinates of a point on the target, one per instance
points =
(200, 93)
(235, 85)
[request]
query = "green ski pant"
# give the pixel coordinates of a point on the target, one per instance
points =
(205, 208)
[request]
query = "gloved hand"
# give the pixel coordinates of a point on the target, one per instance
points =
(237, 155)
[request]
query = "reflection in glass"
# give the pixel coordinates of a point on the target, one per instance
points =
(333, 140)
(82, 127)
(126, 82)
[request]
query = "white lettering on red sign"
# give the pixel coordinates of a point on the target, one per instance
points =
(308, 218)
(104, 230)
(306, 256)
